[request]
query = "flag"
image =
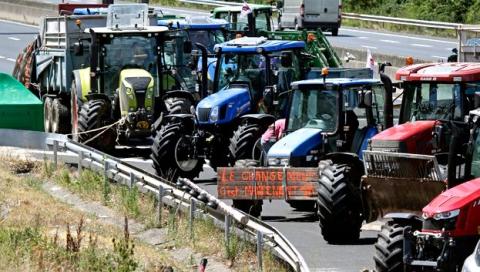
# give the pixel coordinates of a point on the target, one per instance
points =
(370, 60)
(245, 9)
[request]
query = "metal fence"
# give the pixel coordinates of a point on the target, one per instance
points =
(184, 193)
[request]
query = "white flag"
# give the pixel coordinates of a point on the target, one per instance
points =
(370, 60)
(245, 9)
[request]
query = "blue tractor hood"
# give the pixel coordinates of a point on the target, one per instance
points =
(227, 104)
(296, 144)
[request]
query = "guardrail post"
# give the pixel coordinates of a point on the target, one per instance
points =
(132, 180)
(160, 205)
(259, 250)
(227, 231)
(55, 151)
(80, 160)
(192, 215)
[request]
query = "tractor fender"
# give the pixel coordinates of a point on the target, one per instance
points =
(180, 94)
(405, 219)
(262, 119)
(82, 82)
(187, 120)
(346, 158)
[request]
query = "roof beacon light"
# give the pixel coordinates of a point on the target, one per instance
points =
(127, 16)
(311, 37)
(324, 73)
(409, 61)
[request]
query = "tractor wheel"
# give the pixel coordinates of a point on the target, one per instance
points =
(96, 114)
(242, 143)
(251, 207)
(177, 105)
(339, 202)
(47, 114)
(59, 117)
(301, 205)
(389, 248)
(171, 152)
(335, 32)
(76, 104)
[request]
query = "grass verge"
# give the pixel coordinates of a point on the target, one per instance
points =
(206, 238)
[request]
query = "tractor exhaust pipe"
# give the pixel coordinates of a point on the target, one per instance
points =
(204, 84)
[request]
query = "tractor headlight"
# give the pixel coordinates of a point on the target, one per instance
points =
(284, 161)
(214, 114)
(129, 92)
(446, 215)
(273, 161)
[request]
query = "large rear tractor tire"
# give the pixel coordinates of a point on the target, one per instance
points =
(339, 203)
(60, 117)
(171, 153)
(242, 143)
(176, 105)
(389, 248)
(75, 106)
(251, 207)
(47, 114)
(96, 114)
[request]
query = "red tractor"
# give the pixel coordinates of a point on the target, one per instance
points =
(449, 228)
(406, 165)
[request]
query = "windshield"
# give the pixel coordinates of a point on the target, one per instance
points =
(313, 108)
(140, 54)
(432, 101)
(207, 38)
(239, 22)
(248, 68)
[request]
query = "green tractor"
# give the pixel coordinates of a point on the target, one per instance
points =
(118, 97)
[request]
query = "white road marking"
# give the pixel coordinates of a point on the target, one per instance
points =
(9, 59)
(439, 57)
(369, 47)
(399, 36)
(2, 57)
(420, 45)
(17, 23)
(389, 41)
(362, 38)
(13, 38)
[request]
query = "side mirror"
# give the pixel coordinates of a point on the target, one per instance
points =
(279, 4)
(78, 48)
(368, 99)
(477, 100)
(187, 47)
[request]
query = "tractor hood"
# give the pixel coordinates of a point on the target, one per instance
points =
(455, 198)
(296, 144)
(223, 106)
(412, 137)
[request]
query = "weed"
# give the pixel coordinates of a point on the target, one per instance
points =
(130, 201)
(123, 252)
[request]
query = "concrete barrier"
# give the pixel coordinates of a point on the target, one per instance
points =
(25, 11)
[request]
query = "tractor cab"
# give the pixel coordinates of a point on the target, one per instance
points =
(335, 115)
(198, 32)
(246, 69)
(247, 23)
(126, 83)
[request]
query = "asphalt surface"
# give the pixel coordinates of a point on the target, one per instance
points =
(299, 227)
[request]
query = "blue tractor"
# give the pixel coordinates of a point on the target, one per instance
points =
(328, 125)
(246, 68)
(204, 33)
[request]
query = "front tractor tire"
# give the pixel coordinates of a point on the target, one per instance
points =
(251, 207)
(171, 153)
(339, 203)
(95, 114)
(178, 105)
(389, 248)
(243, 141)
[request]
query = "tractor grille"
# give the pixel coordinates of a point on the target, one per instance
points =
(139, 85)
(203, 114)
(380, 164)
(140, 95)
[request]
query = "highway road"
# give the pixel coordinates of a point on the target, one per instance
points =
(299, 227)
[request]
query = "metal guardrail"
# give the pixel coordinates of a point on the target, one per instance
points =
(185, 193)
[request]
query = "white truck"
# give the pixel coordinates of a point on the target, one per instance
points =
(310, 14)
